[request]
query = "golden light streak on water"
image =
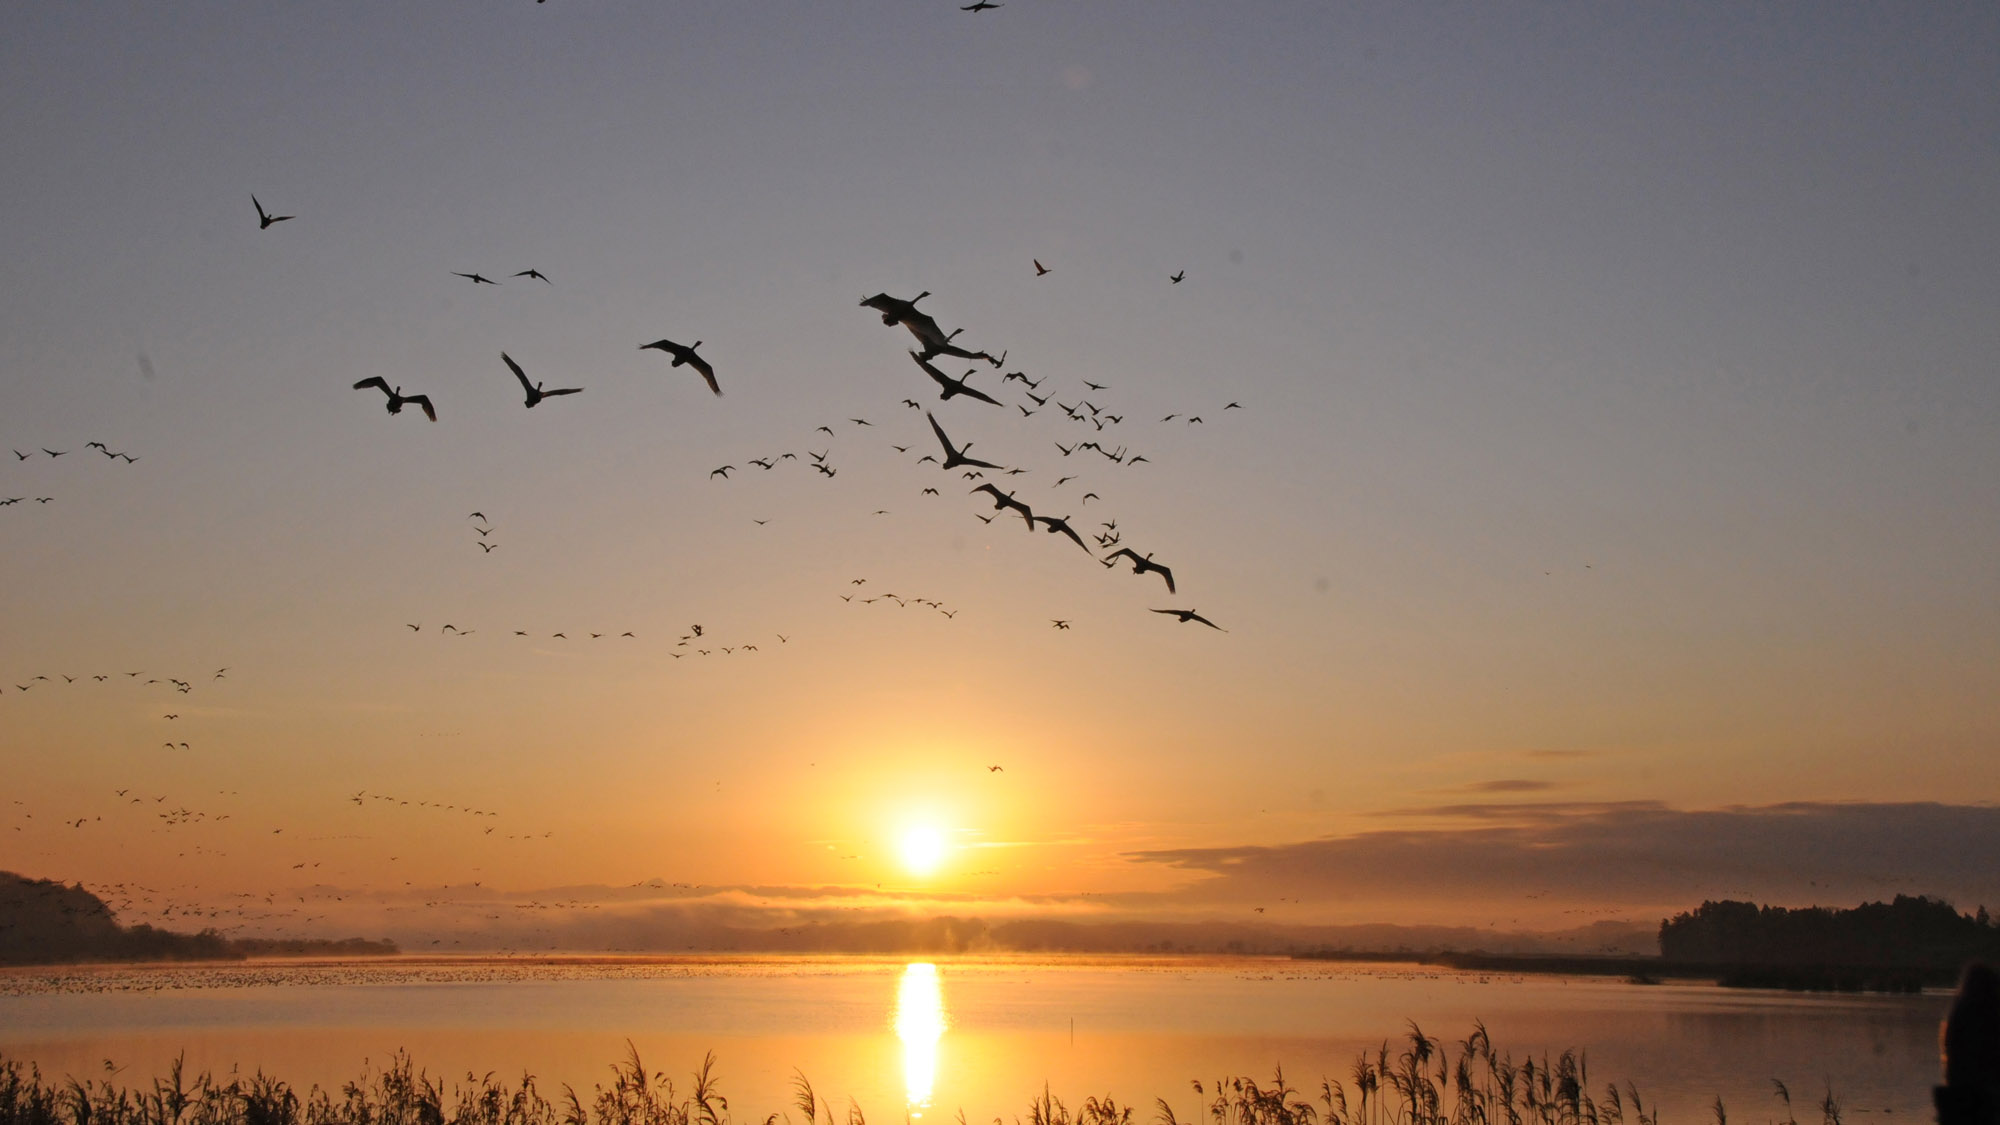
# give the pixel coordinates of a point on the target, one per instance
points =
(920, 1024)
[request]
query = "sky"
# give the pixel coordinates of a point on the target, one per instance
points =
(1609, 520)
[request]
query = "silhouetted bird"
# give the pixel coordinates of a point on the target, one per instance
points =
(954, 457)
(952, 387)
(1040, 269)
(534, 390)
(686, 355)
(1003, 500)
(1176, 278)
(1059, 525)
(1141, 565)
(397, 398)
(265, 218)
(477, 279)
(1187, 615)
(980, 6)
(536, 274)
(936, 341)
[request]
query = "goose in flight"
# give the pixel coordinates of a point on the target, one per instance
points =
(686, 355)
(1040, 269)
(953, 456)
(1141, 565)
(535, 391)
(952, 387)
(1177, 278)
(1187, 615)
(922, 325)
(477, 278)
(1059, 525)
(1003, 500)
(537, 275)
(979, 6)
(397, 399)
(265, 218)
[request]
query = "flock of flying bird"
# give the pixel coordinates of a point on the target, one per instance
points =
(109, 454)
(933, 342)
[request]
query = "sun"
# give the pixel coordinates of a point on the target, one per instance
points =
(922, 849)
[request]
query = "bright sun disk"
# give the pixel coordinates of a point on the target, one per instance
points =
(922, 849)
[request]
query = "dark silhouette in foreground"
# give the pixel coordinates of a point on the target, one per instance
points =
(1969, 1049)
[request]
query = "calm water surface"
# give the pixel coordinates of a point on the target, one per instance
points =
(929, 1038)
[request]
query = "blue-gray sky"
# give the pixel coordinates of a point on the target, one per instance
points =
(1618, 425)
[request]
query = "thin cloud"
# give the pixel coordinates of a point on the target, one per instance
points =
(1508, 785)
(1631, 852)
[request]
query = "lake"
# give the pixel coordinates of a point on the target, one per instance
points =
(929, 1038)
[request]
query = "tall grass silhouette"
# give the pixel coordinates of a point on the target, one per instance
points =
(1418, 1081)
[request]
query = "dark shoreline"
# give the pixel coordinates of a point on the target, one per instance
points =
(1653, 970)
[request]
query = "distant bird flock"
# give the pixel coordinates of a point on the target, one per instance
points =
(933, 342)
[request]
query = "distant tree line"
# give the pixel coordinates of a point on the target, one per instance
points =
(1910, 932)
(44, 922)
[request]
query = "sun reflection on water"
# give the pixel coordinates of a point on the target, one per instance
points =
(920, 1024)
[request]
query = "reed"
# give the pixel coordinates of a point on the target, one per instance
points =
(1418, 1080)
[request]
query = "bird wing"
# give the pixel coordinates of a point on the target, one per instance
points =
(939, 431)
(939, 377)
(1065, 529)
(375, 381)
(925, 327)
(258, 206)
(978, 394)
(707, 372)
(516, 369)
(1123, 552)
(562, 391)
(1166, 574)
(425, 402)
(1204, 621)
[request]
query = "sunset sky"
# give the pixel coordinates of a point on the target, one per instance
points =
(1611, 520)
